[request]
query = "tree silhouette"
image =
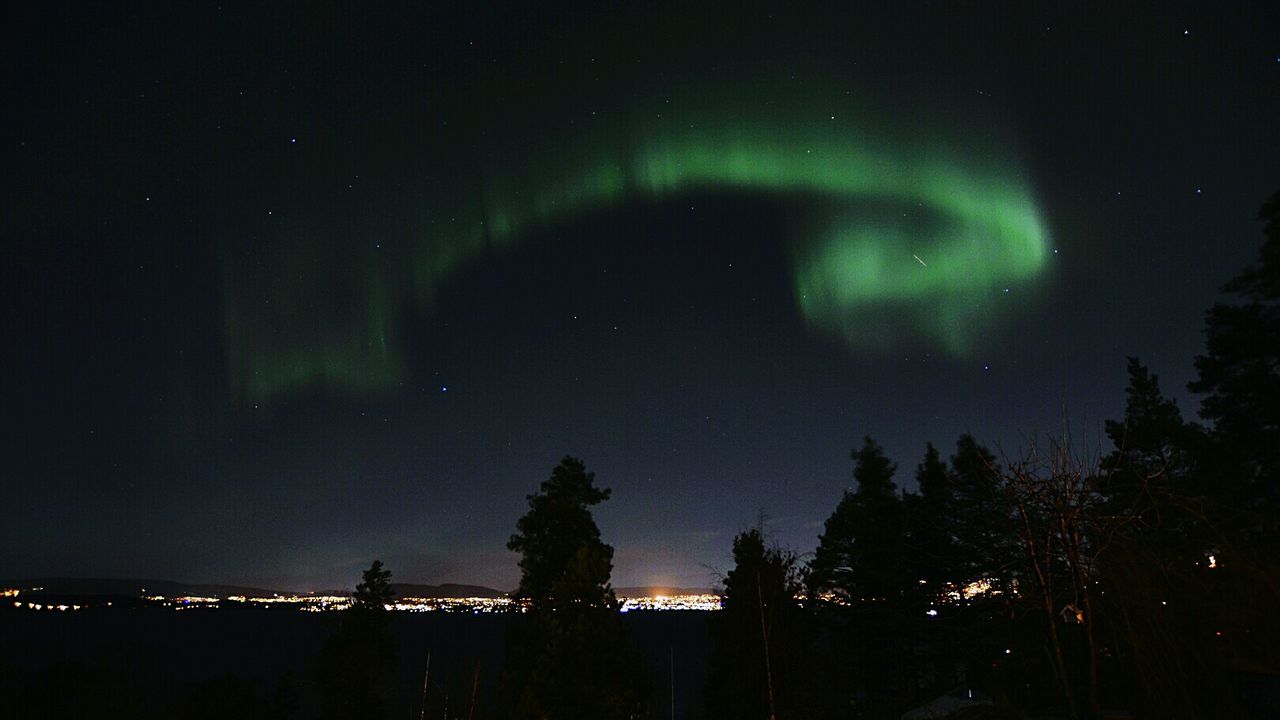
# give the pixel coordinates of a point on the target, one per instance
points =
(1063, 533)
(932, 558)
(1239, 379)
(984, 519)
(1166, 495)
(568, 656)
(556, 529)
(374, 593)
(858, 560)
(760, 658)
(930, 527)
(355, 667)
(859, 575)
(1239, 374)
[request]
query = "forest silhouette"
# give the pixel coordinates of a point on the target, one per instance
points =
(1048, 580)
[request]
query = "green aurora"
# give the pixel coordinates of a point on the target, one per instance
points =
(893, 240)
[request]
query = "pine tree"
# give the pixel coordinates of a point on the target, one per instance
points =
(1239, 380)
(930, 526)
(984, 520)
(374, 592)
(569, 655)
(557, 527)
(357, 662)
(859, 555)
(1163, 500)
(860, 568)
(759, 666)
(1239, 374)
(927, 619)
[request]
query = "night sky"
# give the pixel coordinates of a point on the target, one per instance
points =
(289, 290)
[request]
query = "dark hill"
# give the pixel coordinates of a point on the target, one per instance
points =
(130, 587)
(135, 587)
(447, 590)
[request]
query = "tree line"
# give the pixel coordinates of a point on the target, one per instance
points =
(1055, 580)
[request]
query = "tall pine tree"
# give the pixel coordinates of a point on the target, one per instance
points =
(859, 569)
(984, 520)
(568, 656)
(760, 664)
(930, 527)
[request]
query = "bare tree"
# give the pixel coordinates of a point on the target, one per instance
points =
(1064, 527)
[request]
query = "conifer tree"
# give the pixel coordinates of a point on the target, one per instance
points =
(859, 555)
(374, 592)
(984, 519)
(355, 668)
(760, 660)
(568, 656)
(1239, 374)
(930, 526)
(860, 579)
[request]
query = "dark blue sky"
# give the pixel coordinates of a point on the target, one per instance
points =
(657, 339)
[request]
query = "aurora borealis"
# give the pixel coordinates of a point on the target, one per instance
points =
(288, 289)
(865, 209)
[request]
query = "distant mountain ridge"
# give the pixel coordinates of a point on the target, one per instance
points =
(446, 590)
(134, 587)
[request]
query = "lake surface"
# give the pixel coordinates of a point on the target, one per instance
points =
(182, 649)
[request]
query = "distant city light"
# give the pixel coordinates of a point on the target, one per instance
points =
(327, 603)
(672, 602)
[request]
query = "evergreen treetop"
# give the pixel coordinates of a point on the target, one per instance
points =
(374, 592)
(562, 558)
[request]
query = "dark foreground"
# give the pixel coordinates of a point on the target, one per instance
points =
(208, 663)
